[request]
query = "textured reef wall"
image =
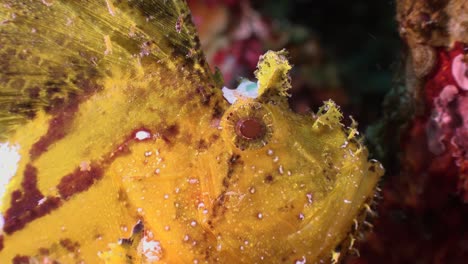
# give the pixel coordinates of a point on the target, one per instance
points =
(423, 215)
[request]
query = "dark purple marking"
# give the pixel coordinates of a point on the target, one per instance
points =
(28, 204)
(58, 128)
(79, 181)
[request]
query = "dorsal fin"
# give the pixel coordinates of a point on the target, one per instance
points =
(54, 51)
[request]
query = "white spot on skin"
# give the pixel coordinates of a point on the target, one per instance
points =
(280, 169)
(459, 71)
(260, 216)
(193, 181)
(150, 249)
(41, 201)
(193, 223)
(309, 198)
(9, 158)
(142, 135)
(346, 201)
(301, 216)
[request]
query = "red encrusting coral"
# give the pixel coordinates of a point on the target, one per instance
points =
(442, 74)
(446, 103)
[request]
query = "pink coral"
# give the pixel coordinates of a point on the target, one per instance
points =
(460, 71)
(441, 120)
(446, 92)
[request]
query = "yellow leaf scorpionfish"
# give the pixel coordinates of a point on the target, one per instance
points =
(128, 152)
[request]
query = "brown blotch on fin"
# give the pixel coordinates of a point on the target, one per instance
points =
(58, 128)
(63, 111)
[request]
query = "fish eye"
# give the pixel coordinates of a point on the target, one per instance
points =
(248, 125)
(250, 128)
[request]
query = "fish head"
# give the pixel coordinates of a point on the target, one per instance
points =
(295, 178)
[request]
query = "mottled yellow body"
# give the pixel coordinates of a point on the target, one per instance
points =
(141, 159)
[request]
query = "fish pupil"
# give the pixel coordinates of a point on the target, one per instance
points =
(250, 128)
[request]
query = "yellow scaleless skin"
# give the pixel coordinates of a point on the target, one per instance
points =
(130, 154)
